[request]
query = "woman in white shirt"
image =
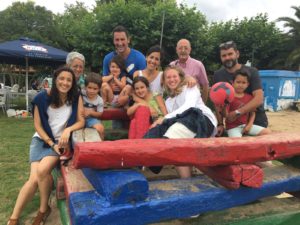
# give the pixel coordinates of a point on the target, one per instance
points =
(188, 116)
(57, 112)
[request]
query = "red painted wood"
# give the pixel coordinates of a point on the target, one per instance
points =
(202, 152)
(114, 114)
(252, 175)
(74, 180)
(233, 176)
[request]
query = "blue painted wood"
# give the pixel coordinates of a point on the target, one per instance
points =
(118, 186)
(178, 198)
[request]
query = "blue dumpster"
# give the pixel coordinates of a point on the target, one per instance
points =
(281, 88)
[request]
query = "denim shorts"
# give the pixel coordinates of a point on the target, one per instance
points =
(90, 122)
(38, 151)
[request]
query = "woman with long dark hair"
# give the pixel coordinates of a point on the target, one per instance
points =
(57, 112)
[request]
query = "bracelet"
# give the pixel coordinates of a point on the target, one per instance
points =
(221, 124)
(52, 146)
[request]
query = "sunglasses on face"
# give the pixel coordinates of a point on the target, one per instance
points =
(228, 44)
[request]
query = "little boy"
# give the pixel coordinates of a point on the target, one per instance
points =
(93, 103)
(243, 124)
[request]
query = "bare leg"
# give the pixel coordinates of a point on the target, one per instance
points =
(124, 95)
(265, 131)
(100, 129)
(107, 93)
(184, 171)
(45, 180)
(27, 191)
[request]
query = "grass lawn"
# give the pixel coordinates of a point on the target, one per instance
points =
(15, 137)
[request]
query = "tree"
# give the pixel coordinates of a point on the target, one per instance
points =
(28, 20)
(292, 39)
(258, 40)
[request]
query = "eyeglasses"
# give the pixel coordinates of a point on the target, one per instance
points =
(228, 44)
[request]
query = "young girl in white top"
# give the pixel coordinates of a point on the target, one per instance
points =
(188, 116)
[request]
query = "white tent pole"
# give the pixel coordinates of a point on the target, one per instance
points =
(26, 83)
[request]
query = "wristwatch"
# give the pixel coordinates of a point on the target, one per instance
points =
(237, 113)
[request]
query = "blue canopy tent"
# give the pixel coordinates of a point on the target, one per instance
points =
(26, 51)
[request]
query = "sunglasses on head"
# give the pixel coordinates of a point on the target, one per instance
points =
(228, 44)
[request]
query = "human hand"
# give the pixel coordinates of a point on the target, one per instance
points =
(157, 122)
(220, 130)
(231, 116)
(246, 129)
(190, 81)
(64, 138)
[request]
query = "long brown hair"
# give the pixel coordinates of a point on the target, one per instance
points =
(178, 89)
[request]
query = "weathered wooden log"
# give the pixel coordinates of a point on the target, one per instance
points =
(198, 152)
(118, 186)
(179, 198)
(233, 176)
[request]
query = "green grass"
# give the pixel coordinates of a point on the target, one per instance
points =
(15, 137)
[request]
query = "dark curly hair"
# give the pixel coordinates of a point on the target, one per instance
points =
(72, 94)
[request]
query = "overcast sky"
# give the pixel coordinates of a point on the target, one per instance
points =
(214, 10)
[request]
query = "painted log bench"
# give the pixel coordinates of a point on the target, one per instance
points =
(102, 188)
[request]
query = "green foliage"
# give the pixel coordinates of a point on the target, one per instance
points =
(257, 39)
(292, 48)
(28, 20)
(89, 31)
(14, 164)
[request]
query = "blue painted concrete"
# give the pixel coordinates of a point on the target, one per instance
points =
(280, 87)
(118, 186)
(178, 198)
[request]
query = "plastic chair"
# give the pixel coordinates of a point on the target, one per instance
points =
(3, 100)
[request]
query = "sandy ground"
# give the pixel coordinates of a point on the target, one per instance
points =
(278, 121)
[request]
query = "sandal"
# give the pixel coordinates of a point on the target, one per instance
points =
(13, 222)
(42, 217)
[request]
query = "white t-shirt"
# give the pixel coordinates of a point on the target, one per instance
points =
(58, 118)
(155, 85)
(188, 98)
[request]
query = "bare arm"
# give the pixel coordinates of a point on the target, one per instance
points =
(204, 93)
(107, 78)
(64, 138)
(257, 100)
(131, 110)
(40, 130)
(161, 104)
(249, 123)
(121, 83)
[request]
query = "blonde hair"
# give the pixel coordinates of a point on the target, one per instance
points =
(178, 90)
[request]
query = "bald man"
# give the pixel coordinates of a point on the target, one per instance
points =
(191, 66)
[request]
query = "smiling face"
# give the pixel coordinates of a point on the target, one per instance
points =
(153, 60)
(140, 89)
(183, 50)
(172, 79)
(64, 82)
(121, 42)
(77, 66)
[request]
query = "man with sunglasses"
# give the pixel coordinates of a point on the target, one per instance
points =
(229, 55)
(192, 68)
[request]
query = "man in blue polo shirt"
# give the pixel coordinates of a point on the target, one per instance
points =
(134, 59)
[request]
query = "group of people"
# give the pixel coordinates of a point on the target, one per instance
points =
(135, 82)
